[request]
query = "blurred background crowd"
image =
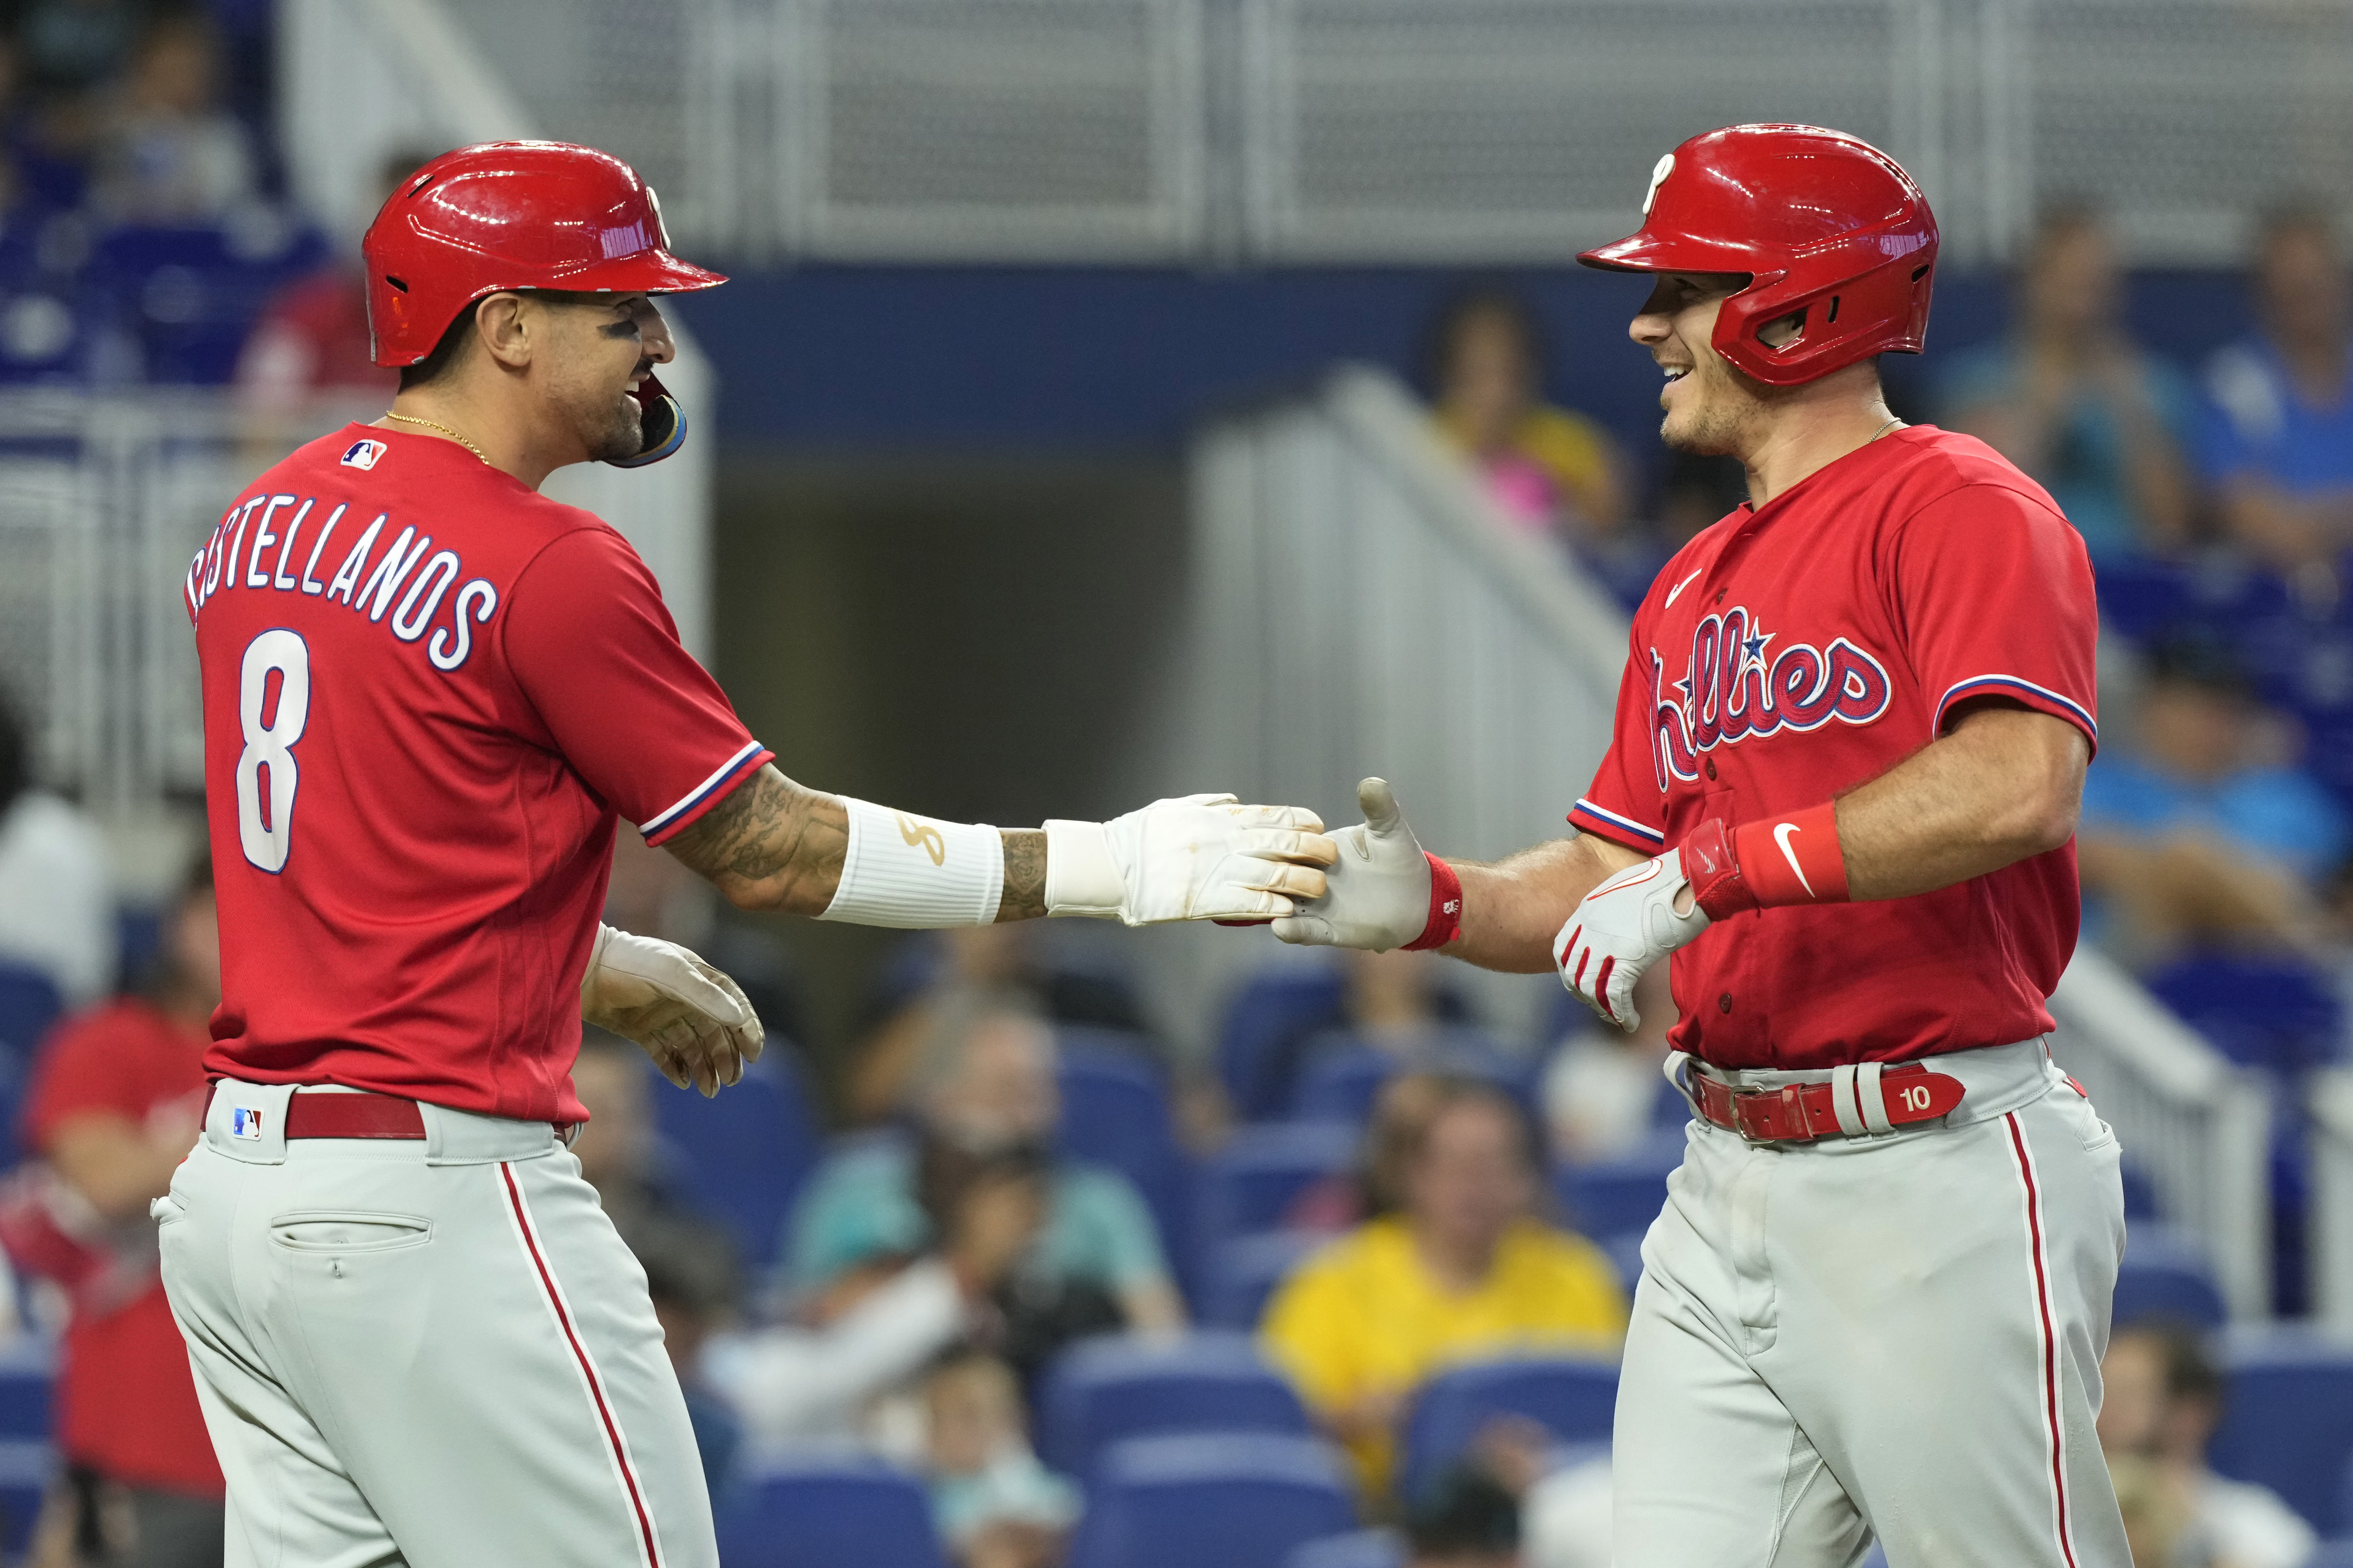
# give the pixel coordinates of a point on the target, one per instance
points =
(1024, 1246)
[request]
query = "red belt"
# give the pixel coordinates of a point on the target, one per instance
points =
(359, 1115)
(1855, 1102)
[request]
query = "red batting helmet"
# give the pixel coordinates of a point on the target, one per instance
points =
(1823, 222)
(520, 214)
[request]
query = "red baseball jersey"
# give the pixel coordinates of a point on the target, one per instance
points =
(429, 693)
(1794, 651)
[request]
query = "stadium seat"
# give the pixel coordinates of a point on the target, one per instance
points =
(2287, 1419)
(1357, 1548)
(824, 1510)
(1625, 1251)
(1250, 1183)
(1626, 1193)
(741, 1157)
(1234, 1499)
(28, 1467)
(189, 295)
(29, 1007)
(27, 1369)
(1267, 1014)
(2166, 1275)
(1105, 1391)
(1241, 1274)
(2265, 1013)
(1343, 1075)
(1572, 1398)
(2140, 1193)
(1115, 1113)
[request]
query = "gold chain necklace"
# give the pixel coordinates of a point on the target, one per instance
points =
(433, 424)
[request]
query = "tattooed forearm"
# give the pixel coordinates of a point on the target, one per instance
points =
(773, 845)
(1024, 898)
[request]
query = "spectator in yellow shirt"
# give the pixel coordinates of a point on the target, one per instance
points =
(1549, 470)
(1465, 1271)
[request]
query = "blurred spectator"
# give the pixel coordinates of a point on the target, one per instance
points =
(1026, 957)
(1401, 1113)
(2278, 438)
(654, 894)
(2163, 1397)
(1549, 470)
(2071, 399)
(57, 902)
(1465, 1269)
(878, 1325)
(1603, 1086)
(996, 1506)
(984, 1079)
(2200, 829)
(115, 1104)
(1466, 1519)
(619, 1147)
(690, 1276)
(1397, 1002)
(312, 336)
(73, 46)
(170, 154)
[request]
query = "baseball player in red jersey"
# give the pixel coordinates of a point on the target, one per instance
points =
(1841, 792)
(430, 692)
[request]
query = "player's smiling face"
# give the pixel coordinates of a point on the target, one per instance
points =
(604, 346)
(1709, 405)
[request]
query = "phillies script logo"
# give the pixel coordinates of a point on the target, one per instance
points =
(1738, 686)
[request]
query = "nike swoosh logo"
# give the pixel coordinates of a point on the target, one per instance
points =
(1679, 587)
(1782, 833)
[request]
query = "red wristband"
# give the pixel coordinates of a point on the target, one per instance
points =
(1445, 907)
(1768, 863)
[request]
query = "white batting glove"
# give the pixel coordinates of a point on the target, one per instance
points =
(691, 1019)
(1623, 927)
(1376, 895)
(1196, 858)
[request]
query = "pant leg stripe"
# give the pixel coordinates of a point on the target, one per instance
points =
(652, 1545)
(2049, 1341)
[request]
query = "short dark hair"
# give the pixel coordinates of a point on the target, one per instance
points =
(1468, 304)
(2191, 1372)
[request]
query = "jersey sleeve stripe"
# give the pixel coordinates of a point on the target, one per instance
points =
(723, 778)
(1614, 826)
(2012, 685)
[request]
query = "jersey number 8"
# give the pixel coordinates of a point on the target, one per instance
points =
(266, 774)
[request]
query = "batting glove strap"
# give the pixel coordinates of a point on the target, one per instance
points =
(1445, 907)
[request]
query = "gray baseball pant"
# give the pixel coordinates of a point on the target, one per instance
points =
(436, 1353)
(1897, 1336)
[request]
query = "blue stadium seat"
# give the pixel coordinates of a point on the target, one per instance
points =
(1241, 1274)
(1343, 1075)
(741, 1157)
(2166, 1275)
(1268, 1014)
(2287, 1420)
(2140, 1193)
(1625, 1251)
(1250, 1183)
(1572, 1398)
(189, 295)
(28, 1369)
(29, 1009)
(1107, 1390)
(1115, 1113)
(28, 1467)
(1233, 1499)
(827, 1510)
(1357, 1548)
(1626, 1193)
(2266, 1014)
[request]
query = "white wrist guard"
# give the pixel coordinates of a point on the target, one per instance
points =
(915, 872)
(1083, 874)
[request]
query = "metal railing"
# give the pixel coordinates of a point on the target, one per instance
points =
(1361, 609)
(2329, 1101)
(1457, 130)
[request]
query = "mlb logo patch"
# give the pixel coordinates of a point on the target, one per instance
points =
(245, 1122)
(364, 454)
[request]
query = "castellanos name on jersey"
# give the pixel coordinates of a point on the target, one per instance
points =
(1737, 686)
(373, 585)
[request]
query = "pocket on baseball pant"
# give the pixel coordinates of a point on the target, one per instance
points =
(348, 1231)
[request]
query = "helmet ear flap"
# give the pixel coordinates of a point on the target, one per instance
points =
(663, 422)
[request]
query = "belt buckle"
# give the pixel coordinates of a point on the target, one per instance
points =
(1741, 1100)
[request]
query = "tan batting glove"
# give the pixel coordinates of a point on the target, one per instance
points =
(691, 1019)
(1192, 858)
